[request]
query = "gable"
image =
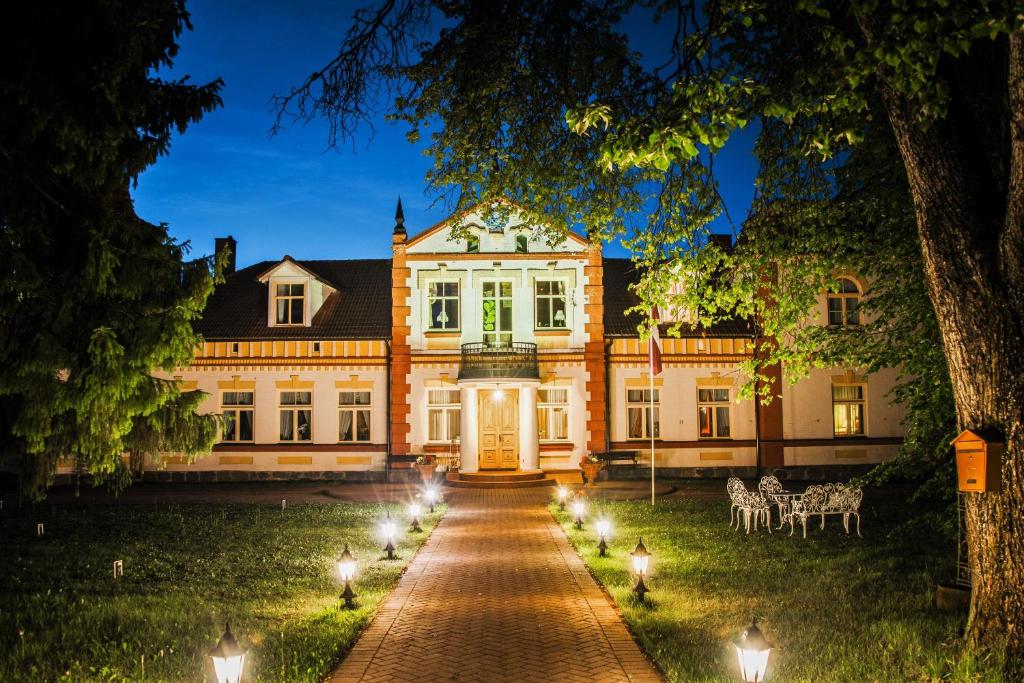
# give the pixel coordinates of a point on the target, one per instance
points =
(496, 231)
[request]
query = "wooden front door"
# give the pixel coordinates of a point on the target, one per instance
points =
(499, 429)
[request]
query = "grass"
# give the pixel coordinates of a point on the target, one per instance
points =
(837, 608)
(187, 569)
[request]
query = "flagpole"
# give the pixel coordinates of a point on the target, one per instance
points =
(650, 422)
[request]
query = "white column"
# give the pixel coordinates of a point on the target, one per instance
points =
(529, 450)
(470, 460)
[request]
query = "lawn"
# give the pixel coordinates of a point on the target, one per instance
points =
(187, 569)
(836, 607)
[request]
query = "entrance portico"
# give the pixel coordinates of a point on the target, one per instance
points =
(498, 422)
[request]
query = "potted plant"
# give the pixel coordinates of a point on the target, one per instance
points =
(590, 467)
(425, 465)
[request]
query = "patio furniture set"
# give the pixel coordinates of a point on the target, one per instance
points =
(754, 508)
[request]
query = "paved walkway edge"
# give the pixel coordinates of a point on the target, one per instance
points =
(354, 665)
(632, 659)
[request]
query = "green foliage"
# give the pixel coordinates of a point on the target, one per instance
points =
(188, 569)
(94, 299)
(836, 607)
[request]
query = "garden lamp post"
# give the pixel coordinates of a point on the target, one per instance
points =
(641, 564)
(563, 493)
(228, 658)
(347, 573)
(604, 527)
(387, 528)
(431, 495)
(753, 649)
(414, 512)
(578, 510)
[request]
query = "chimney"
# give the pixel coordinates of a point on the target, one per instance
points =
(220, 244)
(399, 234)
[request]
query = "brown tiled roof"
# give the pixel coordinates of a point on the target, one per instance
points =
(619, 274)
(359, 309)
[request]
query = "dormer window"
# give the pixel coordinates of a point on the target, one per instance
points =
(843, 304)
(522, 244)
(289, 303)
(472, 244)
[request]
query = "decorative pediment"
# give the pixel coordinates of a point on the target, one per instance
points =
(498, 227)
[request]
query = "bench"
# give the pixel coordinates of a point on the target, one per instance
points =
(828, 499)
(618, 458)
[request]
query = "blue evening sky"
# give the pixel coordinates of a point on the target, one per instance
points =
(290, 194)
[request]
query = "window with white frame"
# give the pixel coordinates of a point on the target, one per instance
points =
(443, 305)
(289, 303)
(296, 411)
(497, 312)
(549, 303)
(353, 416)
(713, 416)
(553, 414)
(642, 420)
(237, 412)
(444, 409)
(843, 304)
(848, 409)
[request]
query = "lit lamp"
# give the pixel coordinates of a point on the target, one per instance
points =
(228, 658)
(753, 649)
(604, 527)
(641, 562)
(414, 512)
(387, 528)
(499, 394)
(563, 493)
(431, 495)
(347, 572)
(578, 509)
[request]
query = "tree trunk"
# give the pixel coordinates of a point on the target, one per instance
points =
(970, 221)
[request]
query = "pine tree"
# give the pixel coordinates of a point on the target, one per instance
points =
(93, 300)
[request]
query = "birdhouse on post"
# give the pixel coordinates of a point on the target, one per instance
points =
(979, 458)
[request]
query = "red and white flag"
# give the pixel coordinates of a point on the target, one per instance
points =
(655, 342)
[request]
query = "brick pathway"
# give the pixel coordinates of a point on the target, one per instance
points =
(496, 594)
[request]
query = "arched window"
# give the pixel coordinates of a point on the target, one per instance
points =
(522, 244)
(843, 304)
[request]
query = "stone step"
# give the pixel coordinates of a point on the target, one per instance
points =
(522, 475)
(498, 480)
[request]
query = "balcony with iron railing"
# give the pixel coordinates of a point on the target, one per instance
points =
(509, 360)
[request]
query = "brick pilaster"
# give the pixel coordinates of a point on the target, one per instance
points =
(400, 351)
(594, 350)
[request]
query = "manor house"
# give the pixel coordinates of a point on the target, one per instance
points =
(497, 351)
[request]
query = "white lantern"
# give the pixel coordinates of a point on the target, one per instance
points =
(604, 527)
(579, 508)
(641, 565)
(563, 493)
(387, 529)
(228, 658)
(346, 565)
(753, 649)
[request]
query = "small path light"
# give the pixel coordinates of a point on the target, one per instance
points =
(579, 508)
(431, 496)
(347, 573)
(604, 527)
(414, 512)
(118, 568)
(228, 658)
(387, 528)
(753, 649)
(563, 493)
(641, 563)
(40, 529)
